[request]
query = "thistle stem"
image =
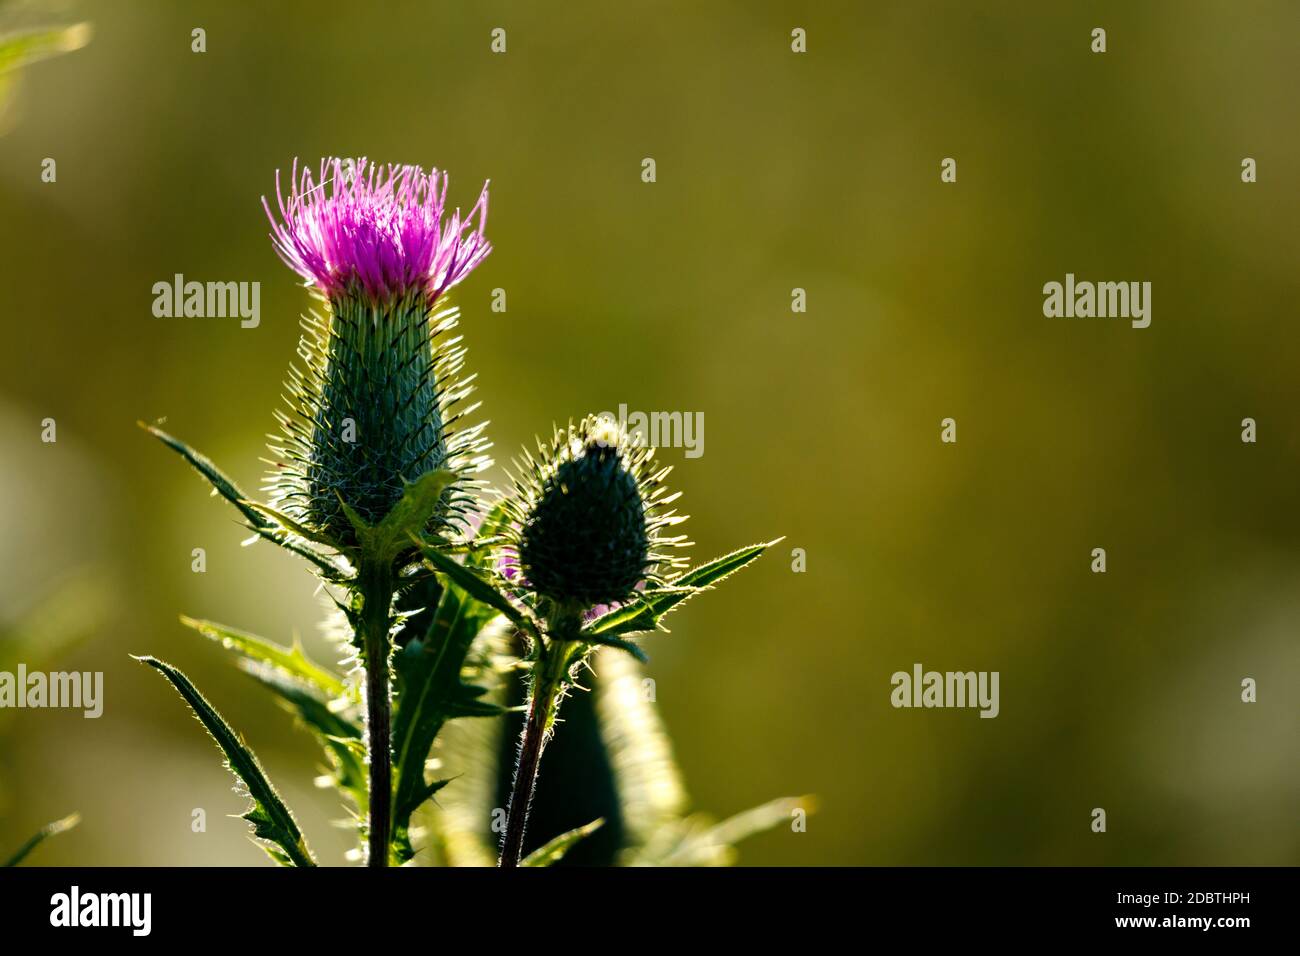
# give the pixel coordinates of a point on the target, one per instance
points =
(376, 602)
(521, 794)
(549, 676)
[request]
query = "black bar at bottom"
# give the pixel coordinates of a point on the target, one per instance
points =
(327, 905)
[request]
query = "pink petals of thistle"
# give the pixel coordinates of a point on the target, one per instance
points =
(363, 227)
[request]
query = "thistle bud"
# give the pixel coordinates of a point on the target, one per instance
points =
(589, 516)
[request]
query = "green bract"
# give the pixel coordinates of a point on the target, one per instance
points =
(375, 406)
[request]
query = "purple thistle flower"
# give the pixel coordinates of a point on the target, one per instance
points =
(377, 229)
(377, 403)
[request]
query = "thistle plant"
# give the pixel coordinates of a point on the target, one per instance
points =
(587, 530)
(376, 484)
(374, 409)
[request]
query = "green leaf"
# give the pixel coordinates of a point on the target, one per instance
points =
(431, 693)
(204, 465)
(340, 737)
(274, 518)
(401, 849)
(271, 819)
(697, 840)
(407, 519)
(429, 670)
(477, 587)
(328, 568)
(647, 779)
(45, 832)
(619, 644)
(19, 49)
(553, 851)
(650, 606)
(478, 546)
(491, 532)
(755, 820)
(468, 707)
(263, 524)
(292, 660)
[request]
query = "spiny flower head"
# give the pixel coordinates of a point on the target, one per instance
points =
(589, 513)
(361, 227)
(377, 403)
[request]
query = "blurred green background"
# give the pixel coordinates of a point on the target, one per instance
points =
(775, 171)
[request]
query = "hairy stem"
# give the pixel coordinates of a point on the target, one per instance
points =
(550, 674)
(376, 582)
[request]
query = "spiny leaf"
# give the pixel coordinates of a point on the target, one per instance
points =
(431, 693)
(649, 607)
(401, 847)
(271, 819)
(328, 568)
(431, 788)
(205, 467)
(429, 671)
(273, 517)
(340, 737)
(292, 660)
(260, 523)
(43, 834)
(307, 701)
(457, 834)
(553, 850)
(477, 587)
